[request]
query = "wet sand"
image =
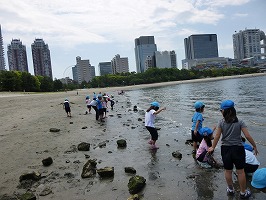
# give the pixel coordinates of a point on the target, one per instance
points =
(25, 140)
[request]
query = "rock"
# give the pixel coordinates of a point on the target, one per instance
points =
(70, 122)
(84, 127)
(189, 142)
(89, 169)
(84, 146)
(47, 161)
(121, 143)
(30, 176)
(177, 154)
(87, 156)
(54, 129)
(130, 170)
(136, 184)
(139, 119)
(134, 197)
(46, 191)
(106, 172)
(72, 149)
(28, 196)
(135, 108)
(102, 144)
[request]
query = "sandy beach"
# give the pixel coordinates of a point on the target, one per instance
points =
(25, 140)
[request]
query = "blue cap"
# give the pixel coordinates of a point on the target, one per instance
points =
(66, 99)
(87, 97)
(259, 178)
(155, 104)
(198, 104)
(205, 131)
(227, 104)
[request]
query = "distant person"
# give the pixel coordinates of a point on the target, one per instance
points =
(232, 149)
(259, 179)
(251, 164)
(93, 104)
(104, 103)
(100, 107)
(197, 121)
(88, 101)
(112, 102)
(94, 95)
(150, 114)
(66, 106)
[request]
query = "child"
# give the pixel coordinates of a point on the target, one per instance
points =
(232, 149)
(93, 104)
(100, 107)
(206, 143)
(88, 101)
(66, 106)
(197, 120)
(149, 122)
(104, 103)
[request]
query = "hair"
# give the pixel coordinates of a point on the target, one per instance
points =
(200, 109)
(152, 107)
(208, 140)
(229, 115)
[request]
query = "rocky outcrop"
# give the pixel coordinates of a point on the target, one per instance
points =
(136, 184)
(30, 176)
(89, 169)
(177, 154)
(121, 143)
(130, 170)
(54, 129)
(84, 146)
(106, 172)
(47, 161)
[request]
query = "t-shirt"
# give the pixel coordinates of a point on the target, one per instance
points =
(99, 104)
(231, 132)
(150, 118)
(66, 104)
(93, 103)
(197, 117)
(202, 147)
(88, 101)
(251, 158)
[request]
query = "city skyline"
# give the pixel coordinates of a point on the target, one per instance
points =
(99, 30)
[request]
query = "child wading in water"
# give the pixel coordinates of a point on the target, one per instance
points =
(197, 120)
(88, 101)
(149, 122)
(232, 149)
(66, 106)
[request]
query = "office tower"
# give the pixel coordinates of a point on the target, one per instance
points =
(247, 44)
(75, 73)
(201, 46)
(17, 56)
(85, 71)
(105, 68)
(41, 58)
(119, 65)
(144, 47)
(2, 54)
(165, 59)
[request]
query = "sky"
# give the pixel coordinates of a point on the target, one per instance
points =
(99, 29)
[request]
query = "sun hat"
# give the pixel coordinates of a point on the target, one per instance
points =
(198, 104)
(155, 104)
(259, 178)
(87, 97)
(66, 99)
(205, 131)
(227, 104)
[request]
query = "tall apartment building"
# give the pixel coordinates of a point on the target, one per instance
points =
(144, 47)
(2, 54)
(41, 58)
(247, 44)
(75, 73)
(119, 65)
(85, 72)
(17, 56)
(105, 68)
(165, 59)
(201, 46)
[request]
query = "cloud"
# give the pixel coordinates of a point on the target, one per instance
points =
(240, 15)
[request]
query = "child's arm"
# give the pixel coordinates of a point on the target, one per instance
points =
(160, 110)
(216, 139)
(196, 127)
(250, 139)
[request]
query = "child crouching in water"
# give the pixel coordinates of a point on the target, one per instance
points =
(202, 154)
(149, 122)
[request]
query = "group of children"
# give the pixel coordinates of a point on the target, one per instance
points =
(235, 152)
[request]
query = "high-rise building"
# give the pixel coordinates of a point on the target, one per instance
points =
(17, 56)
(85, 71)
(165, 59)
(201, 46)
(105, 68)
(144, 46)
(41, 58)
(119, 65)
(75, 73)
(2, 54)
(247, 44)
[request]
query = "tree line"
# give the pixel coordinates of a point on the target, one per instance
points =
(24, 81)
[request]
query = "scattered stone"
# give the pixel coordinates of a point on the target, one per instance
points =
(175, 140)
(134, 197)
(177, 154)
(136, 184)
(46, 191)
(130, 170)
(189, 142)
(54, 129)
(89, 169)
(28, 196)
(84, 127)
(135, 108)
(30, 176)
(102, 144)
(47, 161)
(106, 172)
(76, 161)
(133, 127)
(87, 156)
(70, 122)
(168, 145)
(110, 152)
(69, 175)
(192, 176)
(139, 119)
(84, 146)
(121, 143)
(67, 161)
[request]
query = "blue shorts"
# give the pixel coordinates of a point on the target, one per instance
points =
(233, 155)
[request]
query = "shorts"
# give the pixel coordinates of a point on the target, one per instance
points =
(196, 138)
(67, 109)
(101, 111)
(153, 132)
(233, 155)
(88, 106)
